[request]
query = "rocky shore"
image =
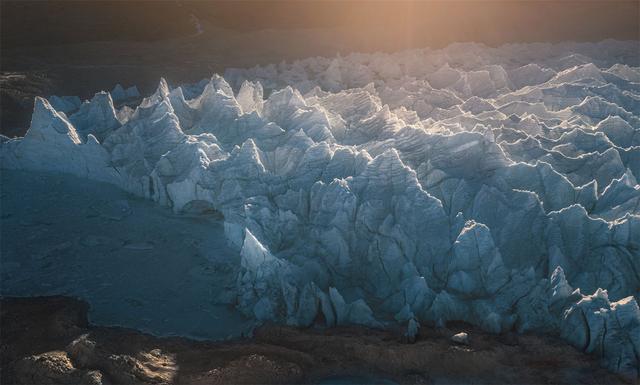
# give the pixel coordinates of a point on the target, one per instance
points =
(49, 340)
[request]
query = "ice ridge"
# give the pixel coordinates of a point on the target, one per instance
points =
(496, 186)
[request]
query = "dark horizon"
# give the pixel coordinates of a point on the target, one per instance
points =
(81, 47)
(369, 25)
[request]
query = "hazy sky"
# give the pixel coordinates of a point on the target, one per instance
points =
(137, 42)
(373, 24)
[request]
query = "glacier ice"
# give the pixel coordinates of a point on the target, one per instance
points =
(497, 186)
(121, 94)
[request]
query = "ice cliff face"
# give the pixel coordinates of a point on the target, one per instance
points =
(495, 186)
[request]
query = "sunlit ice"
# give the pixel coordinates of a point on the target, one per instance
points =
(320, 192)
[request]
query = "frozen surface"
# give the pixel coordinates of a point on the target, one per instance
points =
(138, 266)
(492, 185)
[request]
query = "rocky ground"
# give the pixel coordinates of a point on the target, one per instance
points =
(48, 340)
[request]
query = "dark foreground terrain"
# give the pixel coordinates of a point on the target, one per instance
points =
(48, 340)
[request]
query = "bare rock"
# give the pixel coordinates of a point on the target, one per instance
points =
(53, 367)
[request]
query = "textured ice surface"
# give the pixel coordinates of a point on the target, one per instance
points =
(491, 185)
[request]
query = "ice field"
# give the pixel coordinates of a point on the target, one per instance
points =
(496, 186)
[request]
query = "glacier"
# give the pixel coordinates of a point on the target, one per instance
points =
(496, 186)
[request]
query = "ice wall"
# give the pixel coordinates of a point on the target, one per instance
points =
(491, 185)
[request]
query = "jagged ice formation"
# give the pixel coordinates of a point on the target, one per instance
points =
(491, 185)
